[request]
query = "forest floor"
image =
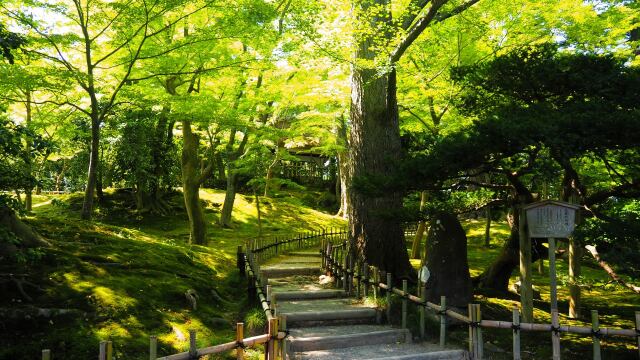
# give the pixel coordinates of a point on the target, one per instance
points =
(615, 304)
(124, 275)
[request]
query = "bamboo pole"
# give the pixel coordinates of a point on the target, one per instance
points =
(479, 341)
(109, 350)
(389, 287)
(239, 339)
(443, 318)
(365, 273)
(638, 330)
(273, 331)
(404, 304)
(285, 343)
(193, 346)
(555, 333)
(516, 333)
(595, 329)
(472, 332)
(46, 354)
(153, 347)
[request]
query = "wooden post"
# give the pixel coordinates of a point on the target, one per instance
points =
(251, 288)
(350, 275)
(389, 285)
(273, 305)
(285, 344)
(555, 333)
(443, 318)
(46, 354)
(638, 330)
(273, 333)
(553, 291)
(240, 260)
(404, 303)
(479, 341)
(516, 333)
(423, 310)
(239, 339)
(526, 292)
(376, 281)
(267, 294)
(193, 346)
(358, 279)
(102, 355)
(365, 273)
(575, 254)
(109, 350)
(472, 332)
(345, 267)
(595, 330)
(153, 347)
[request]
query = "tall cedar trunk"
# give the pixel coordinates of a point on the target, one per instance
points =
(343, 182)
(191, 185)
(446, 260)
(229, 197)
(94, 156)
(374, 154)
(157, 154)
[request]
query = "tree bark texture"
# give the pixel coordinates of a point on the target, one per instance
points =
(28, 237)
(447, 261)
(94, 157)
(191, 185)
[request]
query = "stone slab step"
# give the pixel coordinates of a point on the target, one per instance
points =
(314, 343)
(315, 253)
(346, 316)
(276, 272)
(308, 295)
(383, 352)
(314, 305)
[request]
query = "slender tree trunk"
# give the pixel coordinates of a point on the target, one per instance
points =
(487, 227)
(87, 205)
(259, 214)
(417, 240)
(191, 185)
(229, 197)
(99, 178)
(374, 154)
(28, 200)
(343, 172)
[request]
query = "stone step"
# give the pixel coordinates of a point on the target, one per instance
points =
(308, 294)
(347, 316)
(278, 272)
(301, 341)
(314, 253)
(383, 352)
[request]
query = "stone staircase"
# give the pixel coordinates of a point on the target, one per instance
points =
(324, 323)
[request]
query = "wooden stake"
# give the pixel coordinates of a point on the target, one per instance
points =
(193, 346)
(46, 354)
(595, 329)
(239, 339)
(404, 304)
(552, 274)
(422, 310)
(516, 333)
(443, 317)
(389, 285)
(638, 330)
(479, 341)
(109, 350)
(472, 331)
(365, 272)
(273, 332)
(555, 333)
(153, 347)
(102, 355)
(284, 345)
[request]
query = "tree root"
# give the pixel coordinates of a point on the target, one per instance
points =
(603, 264)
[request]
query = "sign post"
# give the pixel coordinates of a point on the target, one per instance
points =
(551, 219)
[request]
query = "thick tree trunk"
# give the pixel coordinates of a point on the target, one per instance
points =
(28, 237)
(447, 261)
(94, 158)
(374, 155)
(191, 185)
(229, 197)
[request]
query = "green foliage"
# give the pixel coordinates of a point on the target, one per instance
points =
(9, 41)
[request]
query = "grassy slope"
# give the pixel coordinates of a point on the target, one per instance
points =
(125, 276)
(615, 304)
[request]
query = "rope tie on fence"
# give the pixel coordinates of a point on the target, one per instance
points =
(240, 344)
(555, 329)
(440, 312)
(596, 333)
(474, 324)
(515, 327)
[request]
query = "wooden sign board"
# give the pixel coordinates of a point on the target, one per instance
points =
(551, 219)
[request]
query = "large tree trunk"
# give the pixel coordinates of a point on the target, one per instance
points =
(28, 201)
(28, 237)
(94, 157)
(191, 185)
(447, 261)
(374, 155)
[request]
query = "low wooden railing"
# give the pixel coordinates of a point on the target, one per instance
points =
(349, 274)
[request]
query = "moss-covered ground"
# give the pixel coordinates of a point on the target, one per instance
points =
(615, 304)
(123, 276)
